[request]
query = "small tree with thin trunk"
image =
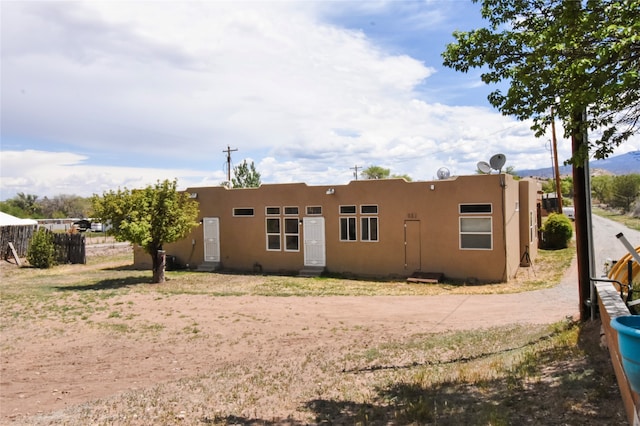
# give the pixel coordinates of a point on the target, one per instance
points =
(148, 217)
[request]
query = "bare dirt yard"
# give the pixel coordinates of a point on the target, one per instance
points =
(98, 344)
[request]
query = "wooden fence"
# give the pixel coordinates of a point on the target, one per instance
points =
(70, 248)
(19, 235)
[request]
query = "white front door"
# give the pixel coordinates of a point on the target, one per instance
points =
(314, 249)
(211, 227)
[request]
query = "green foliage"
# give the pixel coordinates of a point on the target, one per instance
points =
(563, 56)
(60, 206)
(65, 205)
(511, 170)
(22, 205)
(148, 217)
(10, 208)
(405, 177)
(41, 252)
(602, 188)
(245, 176)
(626, 190)
(566, 186)
(375, 172)
(557, 231)
(617, 191)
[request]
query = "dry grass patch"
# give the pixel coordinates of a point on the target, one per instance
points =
(98, 344)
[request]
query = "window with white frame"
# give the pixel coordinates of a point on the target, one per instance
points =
(291, 234)
(369, 228)
(475, 208)
(243, 211)
(369, 223)
(273, 234)
(314, 210)
(270, 211)
(348, 223)
(476, 233)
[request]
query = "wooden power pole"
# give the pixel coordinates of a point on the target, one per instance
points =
(555, 162)
(355, 173)
(229, 151)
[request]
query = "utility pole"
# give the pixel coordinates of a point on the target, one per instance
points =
(229, 151)
(355, 173)
(555, 162)
(582, 204)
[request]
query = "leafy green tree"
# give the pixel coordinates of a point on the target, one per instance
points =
(65, 205)
(9, 208)
(573, 60)
(41, 252)
(558, 57)
(626, 190)
(375, 172)
(245, 176)
(602, 188)
(148, 217)
(22, 205)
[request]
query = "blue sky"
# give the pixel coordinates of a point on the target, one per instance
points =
(101, 95)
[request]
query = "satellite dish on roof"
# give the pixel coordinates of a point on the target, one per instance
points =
(484, 167)
(497, 161)
(443, 173)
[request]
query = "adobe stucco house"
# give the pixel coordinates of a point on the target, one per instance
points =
(467, 228)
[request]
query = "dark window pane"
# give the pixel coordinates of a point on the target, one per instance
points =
(243, 212)
(369, 209)
(352, 229)
(475, 208)
(273, 226)
(291, 226)
(273, 242)
(475, 241)
(373, 224)
(347, 209)
(291, 242)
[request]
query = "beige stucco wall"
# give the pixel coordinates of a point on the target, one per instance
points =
(425, 215)
(529, 217)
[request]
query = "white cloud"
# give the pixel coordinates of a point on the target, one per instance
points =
(52, 173)
(97, 95)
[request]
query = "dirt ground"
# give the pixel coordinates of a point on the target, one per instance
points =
(53, 364)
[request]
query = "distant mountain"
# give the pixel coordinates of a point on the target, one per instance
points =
(619, 165)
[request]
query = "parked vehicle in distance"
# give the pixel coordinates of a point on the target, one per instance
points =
(569, 212)
(82, 225)
(96, 227)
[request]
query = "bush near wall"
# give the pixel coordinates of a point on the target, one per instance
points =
(556, 232)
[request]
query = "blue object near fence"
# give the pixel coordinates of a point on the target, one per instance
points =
(628, 328)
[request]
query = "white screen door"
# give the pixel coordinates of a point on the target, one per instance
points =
(211, 227)
(314, 249)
